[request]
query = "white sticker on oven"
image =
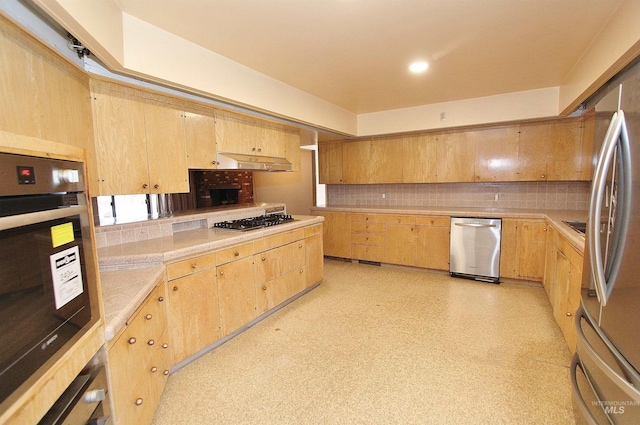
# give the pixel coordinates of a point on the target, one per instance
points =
(67, 275)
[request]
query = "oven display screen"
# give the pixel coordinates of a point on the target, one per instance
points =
(26, 175)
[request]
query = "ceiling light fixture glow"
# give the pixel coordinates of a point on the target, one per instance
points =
(417, 67)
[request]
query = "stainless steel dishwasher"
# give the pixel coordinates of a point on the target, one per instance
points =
(475, 248)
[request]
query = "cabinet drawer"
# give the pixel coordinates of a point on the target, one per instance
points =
(276, 262)
(312, 230)
(191, 265)
(367, 218)
(399, 219)
(273, 241)
(235, 253)
(365, 227)
(369, 253)
(367, 239)
(434, 220)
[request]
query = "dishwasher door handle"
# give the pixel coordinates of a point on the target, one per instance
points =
(475, 225)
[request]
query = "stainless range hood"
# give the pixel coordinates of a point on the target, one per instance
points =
(238, 161)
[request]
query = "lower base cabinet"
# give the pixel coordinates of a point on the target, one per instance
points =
(236, 294)
(522, 251)
(139, 360)
(563, 284)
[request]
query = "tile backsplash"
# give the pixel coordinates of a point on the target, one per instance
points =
(530, 195)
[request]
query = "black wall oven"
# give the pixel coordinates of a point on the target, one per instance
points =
(48, 288)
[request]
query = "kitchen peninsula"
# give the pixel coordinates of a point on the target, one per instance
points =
(173, 298)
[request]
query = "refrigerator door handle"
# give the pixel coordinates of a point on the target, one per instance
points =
(582, 405)
(604, 279)
(585, 349)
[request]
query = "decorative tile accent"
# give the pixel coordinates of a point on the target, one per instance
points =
(530, 195)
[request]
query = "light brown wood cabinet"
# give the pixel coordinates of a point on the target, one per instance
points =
(563, 283)
(199, 133)
(432, 251)
(139, 359)
(367, 237)
(336, 234)
(527, 239)
(242, 134)
(236, 292)
(140, 142)
(193, 306)
(558, 150)
(314, 260)
(400, 240)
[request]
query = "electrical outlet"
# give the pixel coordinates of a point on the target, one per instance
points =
(496, 197)
(443, 116)
(384, 196)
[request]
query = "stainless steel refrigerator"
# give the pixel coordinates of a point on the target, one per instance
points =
(606, 367)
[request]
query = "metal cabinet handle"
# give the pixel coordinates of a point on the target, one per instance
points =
(151, 342)
(194, 266)
(264, 259)
(165, 345)
(166, 372)
(264, 287)
(222, 273)
(132, 340)
(148, 316)
(236, 254)
(154, 369)
(160, 299)
(156, 186)
(300, 246)
(139, 401)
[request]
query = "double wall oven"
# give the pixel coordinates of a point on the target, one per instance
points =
(48, 287)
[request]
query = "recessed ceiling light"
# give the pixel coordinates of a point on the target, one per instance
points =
(418, 67)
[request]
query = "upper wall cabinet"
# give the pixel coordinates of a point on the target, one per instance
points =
(534, 151)
(200, 137)
(239, 134)
(140, 142)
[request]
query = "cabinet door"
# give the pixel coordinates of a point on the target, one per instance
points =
(336, 231)
(587, 154)
(532, 237)
(292, 149)
(233, 133)
(565, 140)
(236, 292)
(456, 156)
(533, 152)
(508, 249)
(199, 139)
(496, 153)
(330, 162)
(166, 153)
(356, 162)
(400, 242)
(314, 261)
(386, 161)
(273, 142)
(121, 149)
(194, 313)
(550, 261)
(419, 163)
(432, 251)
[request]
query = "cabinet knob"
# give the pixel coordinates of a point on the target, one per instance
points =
(165, 345)
(139, 401)
(222, 273)
(156, 186)
(300, 246)
(144, 186)
(264, 259)
(160, 299)
(194, 266)
(154, 369)
(264, 287)
(148, 316)
(253, 149)
(132, 340)
(542, 176)
(175, 289)
(166, 372)
(259, 149)
(214, 162)
(569, 314)
(301, 270)
(236, 254)
(151, 342)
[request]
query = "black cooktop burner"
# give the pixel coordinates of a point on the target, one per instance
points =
(254, 222)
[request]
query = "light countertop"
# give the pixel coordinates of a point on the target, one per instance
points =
(130, 271)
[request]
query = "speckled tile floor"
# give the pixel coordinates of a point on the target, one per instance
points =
(382, 345)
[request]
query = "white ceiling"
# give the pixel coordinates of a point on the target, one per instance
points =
(355, 53)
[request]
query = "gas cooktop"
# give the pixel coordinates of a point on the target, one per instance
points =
(254, 222)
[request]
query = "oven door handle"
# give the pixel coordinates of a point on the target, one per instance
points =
(11, 222)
